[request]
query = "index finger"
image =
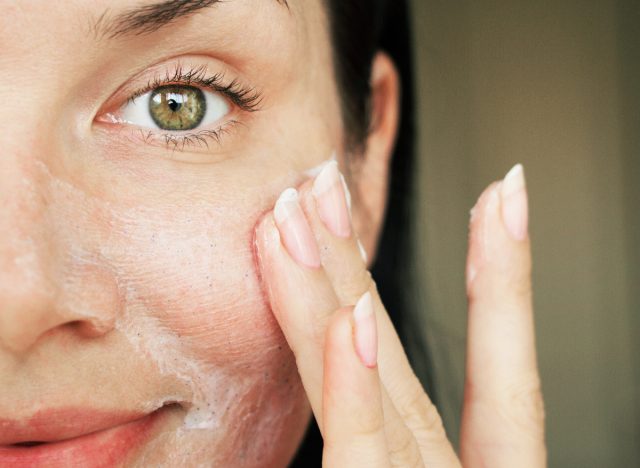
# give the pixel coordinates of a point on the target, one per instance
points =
(503, 417)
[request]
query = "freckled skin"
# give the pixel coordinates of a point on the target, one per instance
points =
(127, 274)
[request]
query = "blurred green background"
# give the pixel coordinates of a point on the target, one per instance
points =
(554, 85)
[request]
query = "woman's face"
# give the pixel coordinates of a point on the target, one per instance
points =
(128, 284)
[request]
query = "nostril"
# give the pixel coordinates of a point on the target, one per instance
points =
(94, 327)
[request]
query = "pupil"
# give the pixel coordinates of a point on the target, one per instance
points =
(174, 105)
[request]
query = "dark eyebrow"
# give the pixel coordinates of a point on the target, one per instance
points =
(149, 18)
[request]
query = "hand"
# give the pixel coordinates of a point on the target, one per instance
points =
(369, 405)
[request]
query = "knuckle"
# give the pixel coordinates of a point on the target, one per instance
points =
(520, 407)
(355, 284)
(368, 423)
(524, 407)
(404, 453)
(422, 416)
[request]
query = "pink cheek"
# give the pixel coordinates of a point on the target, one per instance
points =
(203, 286)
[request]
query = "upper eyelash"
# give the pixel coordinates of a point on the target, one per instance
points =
(246, 98)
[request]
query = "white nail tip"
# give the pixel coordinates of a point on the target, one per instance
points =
(363, 253)
(315, 171)
(281, 210)
(513, 181)
(326, 179)
(514, 171)
(347, 193)
(288, 195)
(364, 307)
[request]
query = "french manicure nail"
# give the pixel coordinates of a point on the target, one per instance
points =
(363, 253)
(294, 229)
(515, 211)
(365, 333)
(347, 193)
(333, 208)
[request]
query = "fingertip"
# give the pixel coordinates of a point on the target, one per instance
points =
(343, 366)
(296, 232)
(339, 330)
(365, 333)
(482, 217)
(352, 401)
(266, 235)
(515, 207)
(498, 231)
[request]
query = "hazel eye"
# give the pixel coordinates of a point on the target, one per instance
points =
(175, 108)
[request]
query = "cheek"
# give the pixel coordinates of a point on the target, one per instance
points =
(189, 300)
(195, 273)
(195, 278)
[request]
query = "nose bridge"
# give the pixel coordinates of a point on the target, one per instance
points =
(24, 245)
(27, 289)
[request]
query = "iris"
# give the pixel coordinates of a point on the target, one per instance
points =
(177, 107)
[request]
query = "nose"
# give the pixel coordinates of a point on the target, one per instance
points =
(43, 289)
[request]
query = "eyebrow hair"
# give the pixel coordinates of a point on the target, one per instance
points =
(149, 18)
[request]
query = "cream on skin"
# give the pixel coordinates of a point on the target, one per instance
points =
(128, 277)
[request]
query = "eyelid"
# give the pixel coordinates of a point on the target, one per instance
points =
(246, 98)
(206, 66)
(242, 97)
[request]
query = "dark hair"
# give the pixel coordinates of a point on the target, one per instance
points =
(359, 29)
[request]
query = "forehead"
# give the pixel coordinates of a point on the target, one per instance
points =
(82, 35)
(99, 19)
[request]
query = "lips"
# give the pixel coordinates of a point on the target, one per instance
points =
(75, 437)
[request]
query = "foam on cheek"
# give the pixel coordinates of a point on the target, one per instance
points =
(210, 389)
(95, 235)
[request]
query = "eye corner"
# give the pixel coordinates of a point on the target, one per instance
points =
(106, 118)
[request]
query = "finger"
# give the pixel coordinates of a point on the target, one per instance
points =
(352, 401)
(324, 203)
(503, 417)
(302, 299)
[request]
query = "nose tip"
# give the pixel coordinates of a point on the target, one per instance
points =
(24, 321)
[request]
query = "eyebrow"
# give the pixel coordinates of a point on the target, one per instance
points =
(149, 18)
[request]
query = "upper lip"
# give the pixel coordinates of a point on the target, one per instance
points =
(54, 425)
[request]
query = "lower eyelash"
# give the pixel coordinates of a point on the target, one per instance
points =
(201, 138)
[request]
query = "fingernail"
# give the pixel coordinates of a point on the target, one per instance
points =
(365, 333)
(515, 211)
(314, 171)
(363, 253)
(333, 208)
(347, 193)
(294, 229)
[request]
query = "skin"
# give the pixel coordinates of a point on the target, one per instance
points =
(379, 415)
(121, 256)
(113, 247)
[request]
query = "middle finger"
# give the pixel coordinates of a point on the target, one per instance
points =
(302, 299)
